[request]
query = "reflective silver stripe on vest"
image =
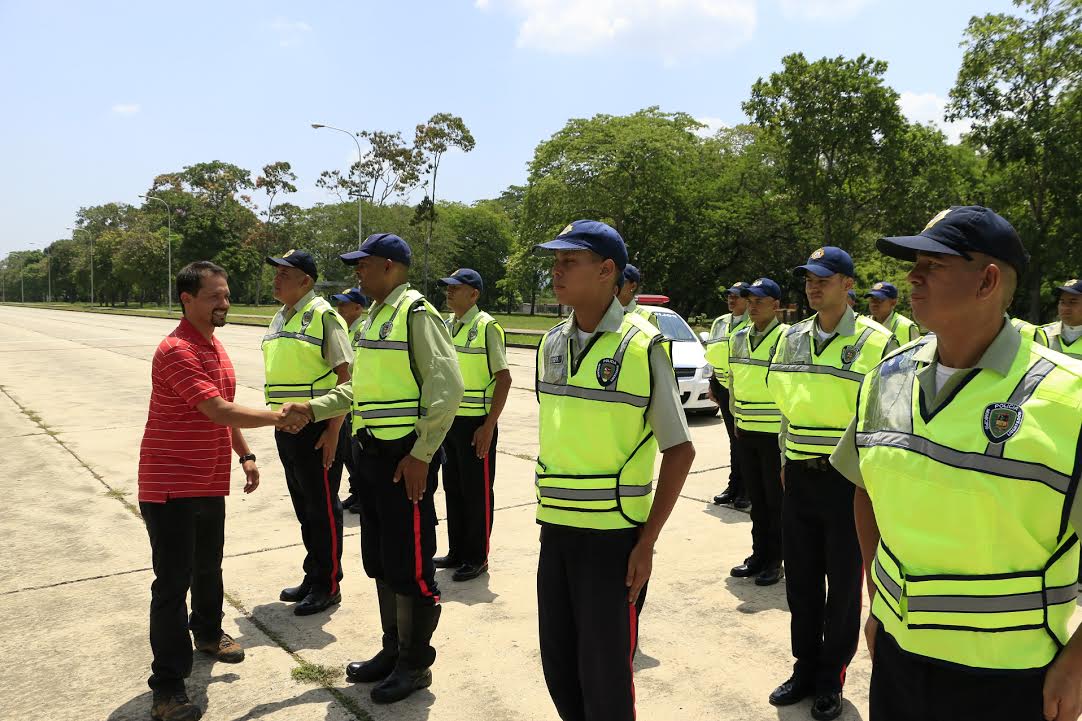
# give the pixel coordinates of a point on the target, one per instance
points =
(889, 583)
(857, 347)
(1022, 392)
(622, 349)
(467, 398)
(812, 440)
(593, 494)
(750, 362)
(294, 336)
(593, 394)
(757, 411)
(1034, 601)
(1006, 467)
(809, 368)
(390, 413)
(384, 344)
(470, 349)
(300, 393)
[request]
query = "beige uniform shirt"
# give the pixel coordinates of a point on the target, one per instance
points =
(441, 382)
(336, 347)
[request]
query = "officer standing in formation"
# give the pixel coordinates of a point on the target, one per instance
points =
(717, 354)
(469, 470)
(608, 402)
(758, 422)
(351, 304)
(1062, 336)
(403, 401)
(882, 305)
(632, 280)
(306, 353)
(814, 377)
(851, 299)
(965, 452)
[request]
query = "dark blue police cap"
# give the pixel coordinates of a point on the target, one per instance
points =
(464, 276)
(737, 289)
(852, 295)
(590, 235)
(827, 261)
(299, 259)
(1073, 286)
(381, 245)
(632, 273)
(763, 288)
(883, 291)
(350, 295)
(961, 230)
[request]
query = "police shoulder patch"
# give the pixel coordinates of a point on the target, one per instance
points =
(385, 330)
(472, 335)
(357, 337)
(1001, 421)
(849, 354)
(607, 370)
(306, 319)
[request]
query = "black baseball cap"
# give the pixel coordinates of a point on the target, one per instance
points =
(827, 261)
(1073, 286)
(593, 235)
(299, 259)
(464, 276)
(350, 295)
(381, 245)
(961, 230)
(763, 288)
(883, 291)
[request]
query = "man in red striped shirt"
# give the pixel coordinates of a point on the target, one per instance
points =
(184, 463)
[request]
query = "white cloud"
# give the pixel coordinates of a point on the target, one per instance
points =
(929, 108)
(669, 29)
(822, 9)
(126, 108)
(712, 124)
(290, 32)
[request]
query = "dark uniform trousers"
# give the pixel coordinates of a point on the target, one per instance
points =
(906, 687)
(467, 484)
(186, 539)
(736, 482)
(588, 630)
(345, 455)
(760, 467)
(821, 546)
(314, 491)
(398, 537)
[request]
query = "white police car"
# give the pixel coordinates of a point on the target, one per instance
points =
(693, 373)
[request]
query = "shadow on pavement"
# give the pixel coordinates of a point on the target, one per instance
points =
(138, 708)
(304, 632)
(754, 599)
(802, 711)
(468, 593)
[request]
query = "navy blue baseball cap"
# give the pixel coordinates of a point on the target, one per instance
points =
(737, 289)
(350, 295)
(464, 276)
(590, 235)
(827, 261)
(632, 273)
(961, 230)
(852, 295)
(763, 288)
(883, 291)
(299, 259)
(1073, 286)
(381, 245)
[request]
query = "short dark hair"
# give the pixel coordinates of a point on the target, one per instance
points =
(190, 277)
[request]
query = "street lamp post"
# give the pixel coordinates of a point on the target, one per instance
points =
(168, 246)
(84, 230)
(360, 194)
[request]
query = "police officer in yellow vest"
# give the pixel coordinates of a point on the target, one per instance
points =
(403, 400)
(608, 402)
(627, 291)
(965, 452)
(814, 377)
(306, 353)
(717, 354)
(1063, 335)
(351, 304)
(469, 471)
(758, 422)
(882, 306)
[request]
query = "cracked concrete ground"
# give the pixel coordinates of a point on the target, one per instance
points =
(75, 577)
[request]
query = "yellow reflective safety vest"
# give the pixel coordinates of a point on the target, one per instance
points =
(749, 362)
(977, 563)
(1028, 330)
(595, 467)
(815, 383)
(647, 315)
(293, 356)
(1053, 334)
(386, 387)
(904, 330)
(717, 348)
(470, 344)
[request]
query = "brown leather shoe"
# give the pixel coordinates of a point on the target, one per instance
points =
(174, 707)
(224, 648)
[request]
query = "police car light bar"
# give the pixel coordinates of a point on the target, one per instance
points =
(648, 299)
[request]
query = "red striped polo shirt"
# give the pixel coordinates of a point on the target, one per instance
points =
(184, 453)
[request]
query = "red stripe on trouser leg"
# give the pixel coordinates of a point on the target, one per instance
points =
(488, 504)
(334, 532)
(418, 571)
(632, 614)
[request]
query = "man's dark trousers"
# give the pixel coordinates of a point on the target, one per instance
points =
(314, 491)
(345, 454)
(823, 571)
(467, 485)
(736, 483)
(187, 536)
(760, 467)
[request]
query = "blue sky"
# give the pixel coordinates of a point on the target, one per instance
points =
(100, 97)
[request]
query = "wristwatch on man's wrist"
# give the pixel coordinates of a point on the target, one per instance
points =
(246, 457)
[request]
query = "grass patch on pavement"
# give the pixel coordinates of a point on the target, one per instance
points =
(307, 672)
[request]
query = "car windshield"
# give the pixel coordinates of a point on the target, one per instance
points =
(674, 328)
